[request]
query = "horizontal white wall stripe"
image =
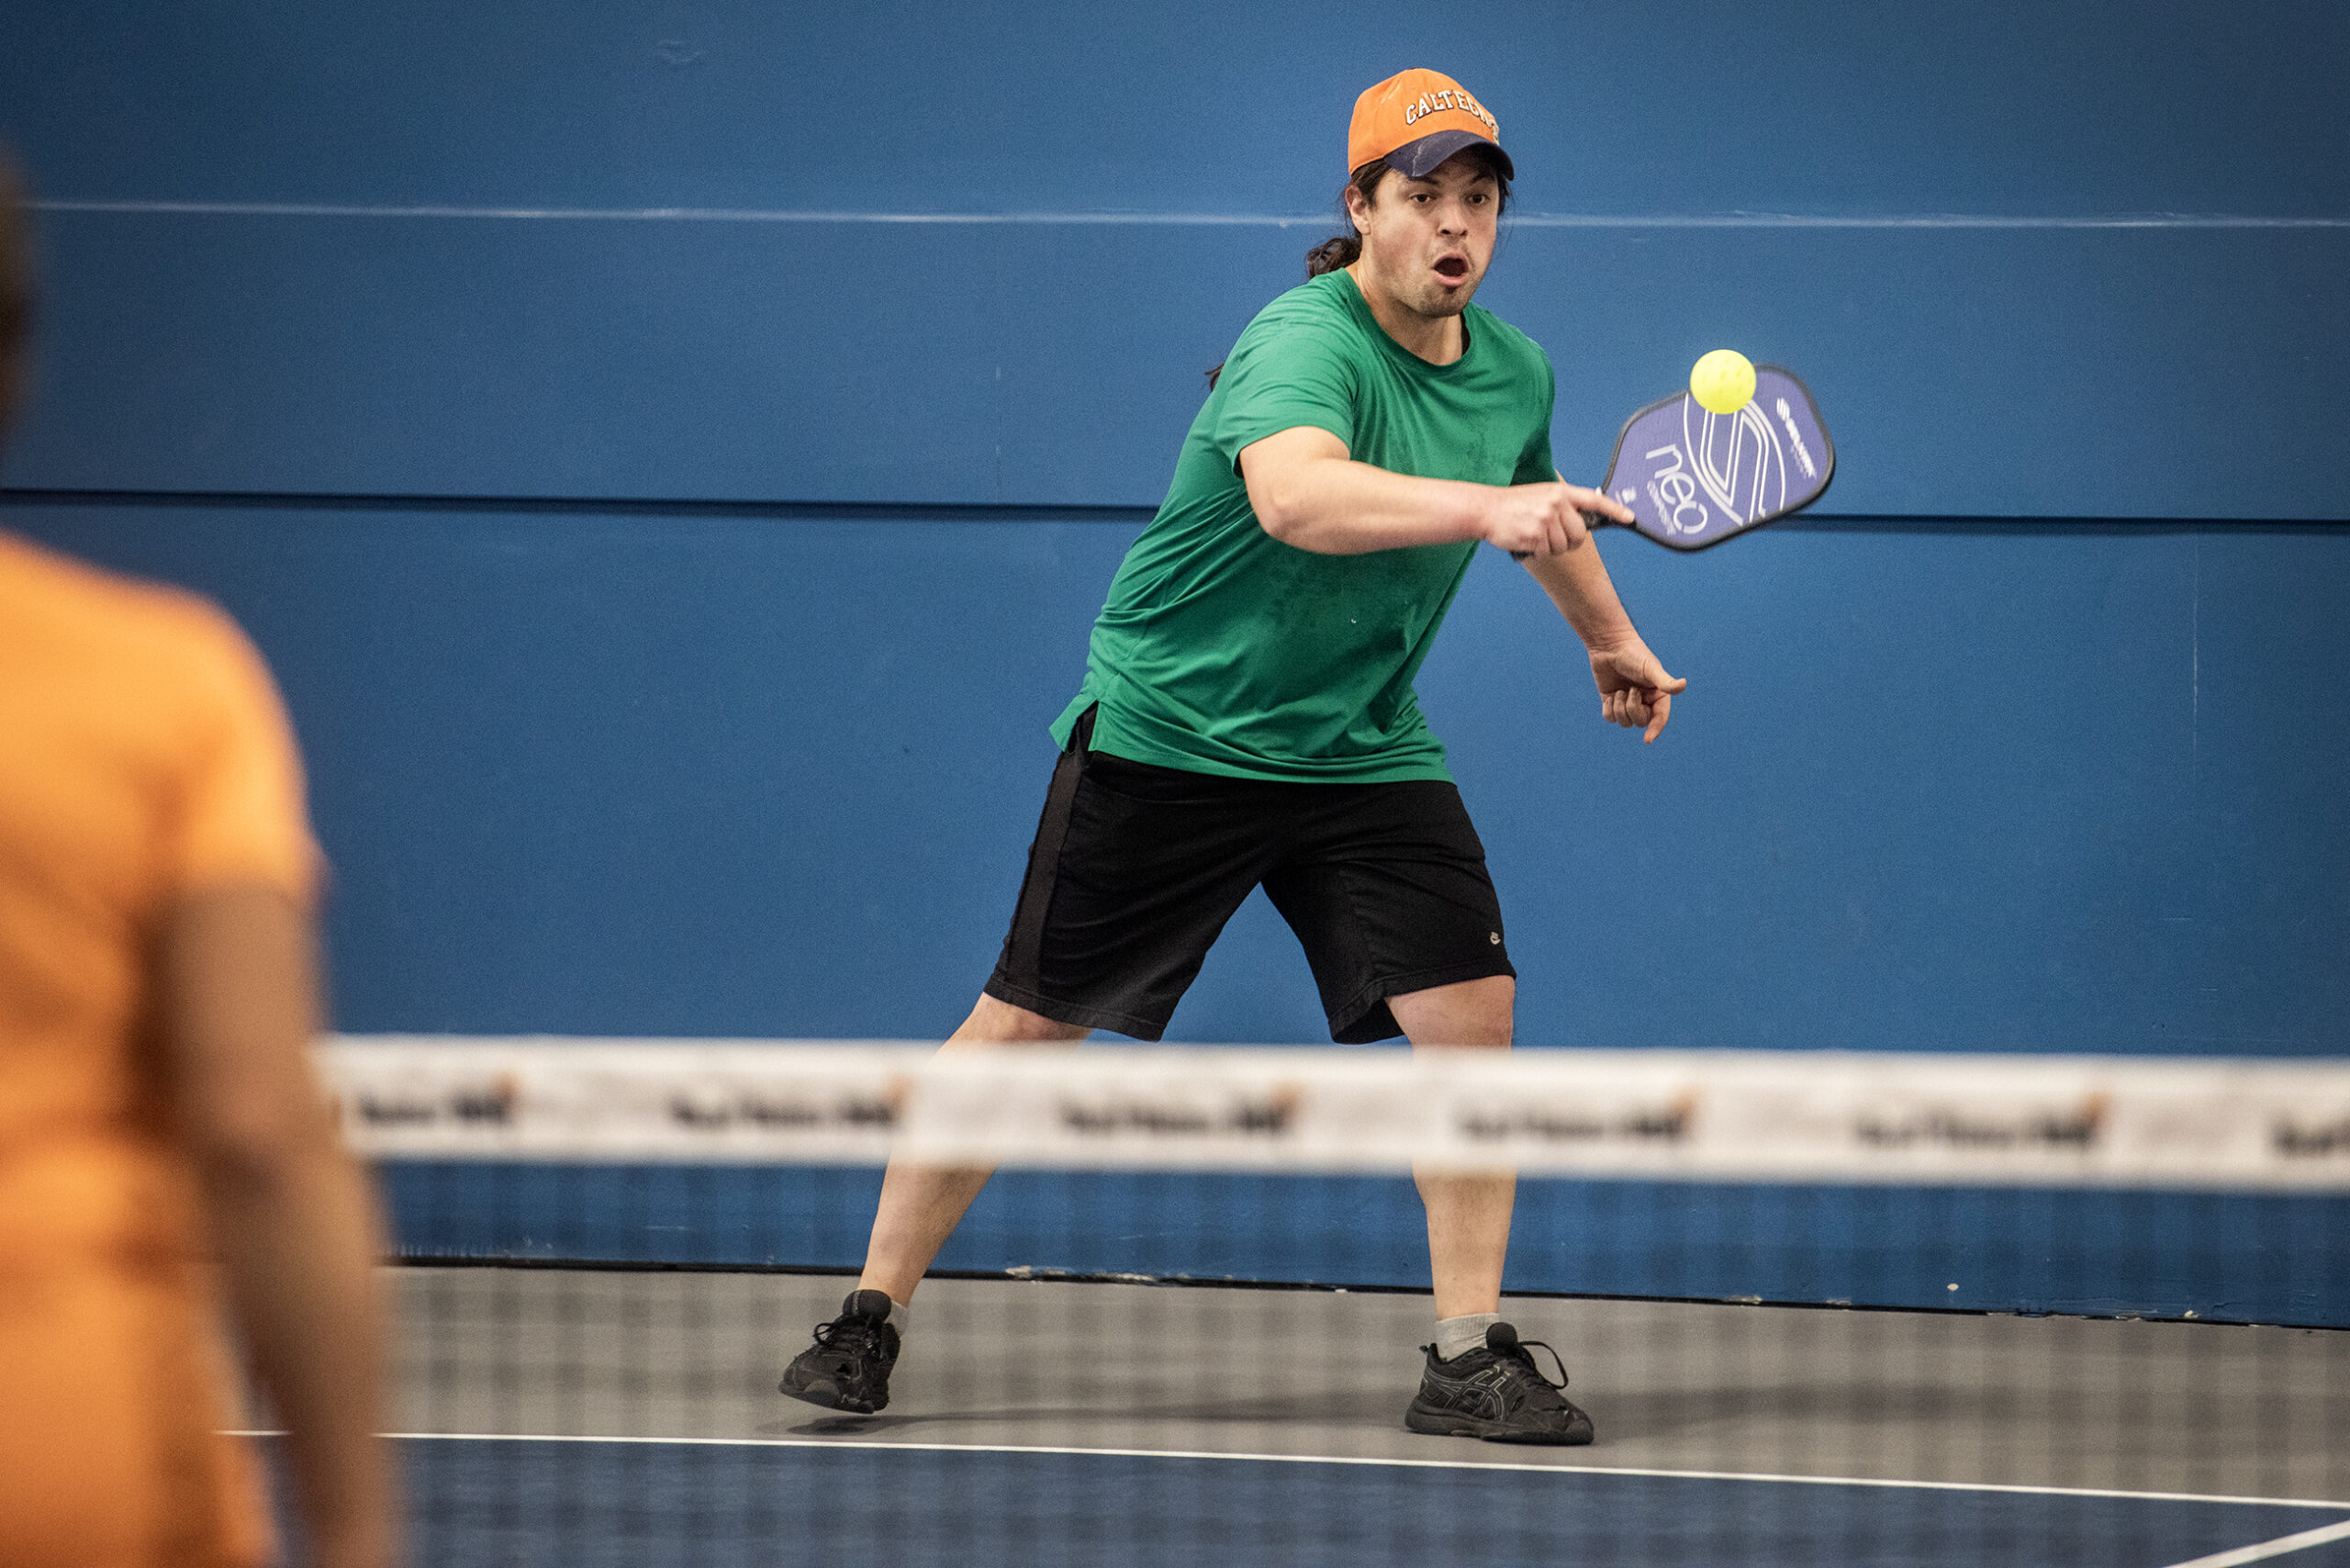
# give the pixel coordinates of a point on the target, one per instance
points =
(1186, 220)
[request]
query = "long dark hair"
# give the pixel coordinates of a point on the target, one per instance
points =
(16, 289)
(1344, 250)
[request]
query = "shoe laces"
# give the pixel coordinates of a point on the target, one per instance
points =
(1514, 1349)
(855, 1335)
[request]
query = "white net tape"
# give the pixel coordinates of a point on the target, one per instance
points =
(1699, 1116)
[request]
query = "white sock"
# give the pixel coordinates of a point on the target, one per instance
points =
(898, 1312)
(1458, 1336)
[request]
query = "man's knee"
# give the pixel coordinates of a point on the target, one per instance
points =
(1470, 1012)
(995, 1022)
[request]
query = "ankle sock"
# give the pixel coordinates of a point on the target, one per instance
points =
(861, 1303)
(1458, 1336)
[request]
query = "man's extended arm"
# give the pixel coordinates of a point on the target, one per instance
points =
(1308, 492)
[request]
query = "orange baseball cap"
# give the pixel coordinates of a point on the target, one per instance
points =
(1418, 118)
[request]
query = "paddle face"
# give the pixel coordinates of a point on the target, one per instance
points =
(1693, 479)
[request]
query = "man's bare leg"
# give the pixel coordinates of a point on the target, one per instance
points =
(922, 1205)
(1468, 1214)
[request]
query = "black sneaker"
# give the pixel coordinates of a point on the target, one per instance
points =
(1496, 1392)
(848, 1366)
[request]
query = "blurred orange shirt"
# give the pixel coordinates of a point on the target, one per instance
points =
(144, 757)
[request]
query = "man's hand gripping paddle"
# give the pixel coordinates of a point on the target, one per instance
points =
(1742, 447)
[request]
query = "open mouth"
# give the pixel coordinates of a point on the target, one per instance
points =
(1452, 269)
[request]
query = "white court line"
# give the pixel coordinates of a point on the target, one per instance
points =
(2266, 1550)
(1184, 219)
(1360, 1459)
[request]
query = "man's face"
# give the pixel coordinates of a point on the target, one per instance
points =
(1427, 241)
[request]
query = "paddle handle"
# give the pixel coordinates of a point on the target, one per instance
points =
(1590, 519)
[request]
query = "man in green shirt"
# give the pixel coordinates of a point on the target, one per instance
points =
(1248, 719)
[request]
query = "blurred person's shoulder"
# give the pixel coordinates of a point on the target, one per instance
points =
(54, 606)
(95, 652)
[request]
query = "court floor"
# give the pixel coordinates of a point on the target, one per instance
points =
(567, 1416)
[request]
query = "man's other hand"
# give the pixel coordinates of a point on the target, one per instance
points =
(1634, 689)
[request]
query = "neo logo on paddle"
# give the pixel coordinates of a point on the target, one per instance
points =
(1674, 494)
(1725, 468)
(1692, 477)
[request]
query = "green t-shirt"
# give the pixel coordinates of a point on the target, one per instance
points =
(1223, 650)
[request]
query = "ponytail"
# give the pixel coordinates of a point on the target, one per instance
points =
(1345, 250)
(16, 290)
(1331, 255)
(1340, 250)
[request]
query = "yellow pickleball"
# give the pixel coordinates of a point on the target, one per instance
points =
(1722, 382)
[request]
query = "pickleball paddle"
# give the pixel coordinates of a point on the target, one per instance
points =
(1694, 478)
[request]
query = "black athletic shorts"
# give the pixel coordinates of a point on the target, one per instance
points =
(1136, 868)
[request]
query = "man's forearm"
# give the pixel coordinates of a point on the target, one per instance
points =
(1339, 507)
(1309, 493)
(1578, 584)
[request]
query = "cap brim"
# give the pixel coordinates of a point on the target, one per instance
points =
(1418, 160)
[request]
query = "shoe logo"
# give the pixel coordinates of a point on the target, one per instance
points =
(1484, 1392)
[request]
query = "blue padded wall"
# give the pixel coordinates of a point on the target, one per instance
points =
(2152, 373)
(728, 773)
(2219, 1257)
(932, 254)
(926, 105)
(671, 453)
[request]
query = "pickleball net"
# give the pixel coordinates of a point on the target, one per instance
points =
(1822, 1307)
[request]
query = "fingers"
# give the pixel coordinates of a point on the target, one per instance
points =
(1635, 691)
(1627, 706)
(1563, 528)
(1638, 707)
(1529, 521)
(1644, 669)
(1598, 502)
(1644, 708)
(1559, 526)
(1660, 711)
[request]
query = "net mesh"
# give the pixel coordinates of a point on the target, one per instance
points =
(1822, 1308)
